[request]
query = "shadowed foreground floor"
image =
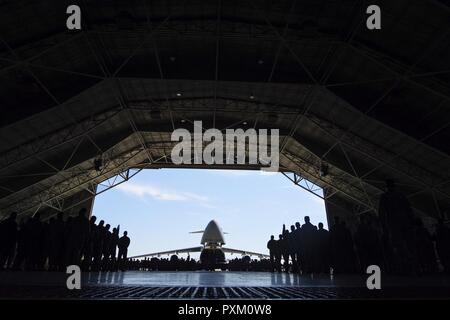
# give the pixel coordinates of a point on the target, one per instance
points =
(216, 285)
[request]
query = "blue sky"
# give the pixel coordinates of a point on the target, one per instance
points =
(159, 207)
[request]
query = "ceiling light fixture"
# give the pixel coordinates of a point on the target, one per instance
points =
(323, 171)
(98, 164)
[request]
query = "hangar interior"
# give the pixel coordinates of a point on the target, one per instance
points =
(83, 111)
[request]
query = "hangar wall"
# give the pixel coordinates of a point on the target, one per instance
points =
(82, 199)
(336, 206)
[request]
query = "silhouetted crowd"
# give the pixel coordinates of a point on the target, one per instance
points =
(164, 264)
(247, 264)
(397, 241)
(55, 244)
(175, 263)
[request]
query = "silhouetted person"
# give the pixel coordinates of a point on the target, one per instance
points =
(47, 240)
(278, 252)
(112, 248)
(22, 244)
(284, 248)
(35, 239)
(349, 251)
(396, 218)
(424, 249)
(362, 242)
(123, 245)
(272, 246)
(292, 246)
(57, 243)
(337, 246)
(442, 237)
(98, 245)
(368, 244)
(106, 245)
(309, 245)
(78, 233)
(67, 229)
(298, 246)
(90, 243)
(323, 250)
(8, 239)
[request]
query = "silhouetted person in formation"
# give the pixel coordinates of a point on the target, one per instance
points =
(47, 240)
(298, 246)
(67, 231)
(309, 245)
(442, 237)
(323, 250)
(112, 248)
(278, 252)
(8, 239)
(90, 243)
(337, 246)
(368, 244)
(376, 256)
(22, 244)
(98, 245)
(284, 247)
(34, 242)
(57, 230)
(106, 245)
(271, 245)
(396, 218)
(78, 233)
(292, 244)
(123, 244)
(349, 251)
(424, 249)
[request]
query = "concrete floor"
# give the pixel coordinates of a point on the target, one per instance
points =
(215, 285)
(211, 279)
(205, 278)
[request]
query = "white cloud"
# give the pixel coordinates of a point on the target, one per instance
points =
(268, 173)
(231, 173)
(144, 190)
(196, 197)
(242, 173)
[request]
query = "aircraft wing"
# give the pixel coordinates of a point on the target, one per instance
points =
(185, 250)
(243, 252)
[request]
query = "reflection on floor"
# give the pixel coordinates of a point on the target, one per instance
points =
(216, 285)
